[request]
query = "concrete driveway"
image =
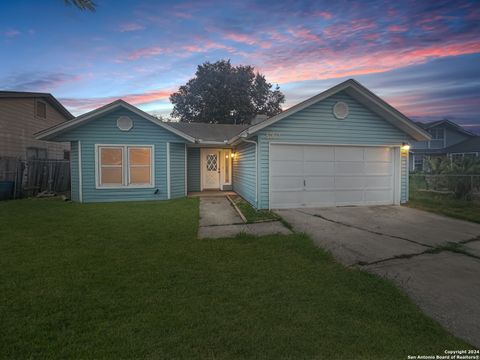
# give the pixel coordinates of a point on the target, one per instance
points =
(404, 245)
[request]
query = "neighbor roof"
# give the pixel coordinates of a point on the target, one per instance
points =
(457, 127)
(469, 145)
(209, 132)
(48, 97)
(359, 93)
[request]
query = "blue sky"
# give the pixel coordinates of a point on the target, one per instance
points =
(421, 56)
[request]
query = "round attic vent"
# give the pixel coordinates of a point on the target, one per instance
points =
(124, 123)
(340, 110)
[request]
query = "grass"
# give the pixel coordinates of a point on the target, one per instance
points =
(130, 280)
(251, 214)
(445, 204)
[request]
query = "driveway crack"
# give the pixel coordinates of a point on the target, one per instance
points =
(366, 230)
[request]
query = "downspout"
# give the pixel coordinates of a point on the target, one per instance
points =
(256, 167)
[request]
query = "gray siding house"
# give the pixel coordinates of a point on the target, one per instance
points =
(447, 140)
(344, 146)
(22, 114)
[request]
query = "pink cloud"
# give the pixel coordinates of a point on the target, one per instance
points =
(324, 14)
(145, 53)
(79, 105)
(130, 27)
(303, 34)
(247, 39)
(334, 64)
(206, 45)
(397, 28)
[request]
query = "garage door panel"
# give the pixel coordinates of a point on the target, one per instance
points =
(348, 197)
(378, 196)
(319, 153)
(344, 153)
(349, 182)
(287, 152)
(318, 198)
(320, 183)
(378, 154)
(349, 168)
(286, 199)
(316, 176)
(373, 182)
(380, 168)
(281, 168)
(319, 168)
(287, 183)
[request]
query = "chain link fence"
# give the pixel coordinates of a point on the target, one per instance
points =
(460, 186)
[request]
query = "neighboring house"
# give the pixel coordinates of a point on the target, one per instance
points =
(448, 140)
(22, 114)
(344, 146)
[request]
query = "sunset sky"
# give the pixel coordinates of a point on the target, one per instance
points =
(423, 57)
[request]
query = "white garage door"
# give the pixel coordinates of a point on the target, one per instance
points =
(316, 176)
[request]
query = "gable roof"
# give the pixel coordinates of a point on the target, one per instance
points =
(359, 93)
(455, 126)
(46, 96)
(469, 145)
(204, 132)
(53, 131)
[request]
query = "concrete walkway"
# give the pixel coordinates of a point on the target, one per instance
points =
(219, 219)
(397, 243)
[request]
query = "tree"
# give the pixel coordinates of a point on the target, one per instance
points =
(225, 94)
(82, 4)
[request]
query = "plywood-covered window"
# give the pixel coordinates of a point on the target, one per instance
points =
(124, 166)
(41, 109)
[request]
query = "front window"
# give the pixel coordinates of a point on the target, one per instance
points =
(125, 166)
(418, 163)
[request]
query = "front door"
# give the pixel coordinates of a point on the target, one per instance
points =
(211, 169)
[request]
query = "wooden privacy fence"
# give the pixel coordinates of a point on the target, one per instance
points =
(20, 178)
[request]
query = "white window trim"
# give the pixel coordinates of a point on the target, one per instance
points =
(125, 166)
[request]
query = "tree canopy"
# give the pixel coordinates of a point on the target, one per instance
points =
(225, 94)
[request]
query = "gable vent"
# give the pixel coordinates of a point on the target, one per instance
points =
(340, 110)
(124, 123)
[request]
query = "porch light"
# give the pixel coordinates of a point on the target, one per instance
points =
(226, 156)
(405, 147)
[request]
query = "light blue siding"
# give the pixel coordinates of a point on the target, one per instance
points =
(193, 171)
(103, 130)
(74, 194)
(244, 172)
(317, 124)
(177, 170)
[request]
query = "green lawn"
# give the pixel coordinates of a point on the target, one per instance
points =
(445, 204)
(131, 280)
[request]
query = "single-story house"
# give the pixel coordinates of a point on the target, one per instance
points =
(344, 146)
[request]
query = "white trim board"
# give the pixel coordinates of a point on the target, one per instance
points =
(80, 182)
